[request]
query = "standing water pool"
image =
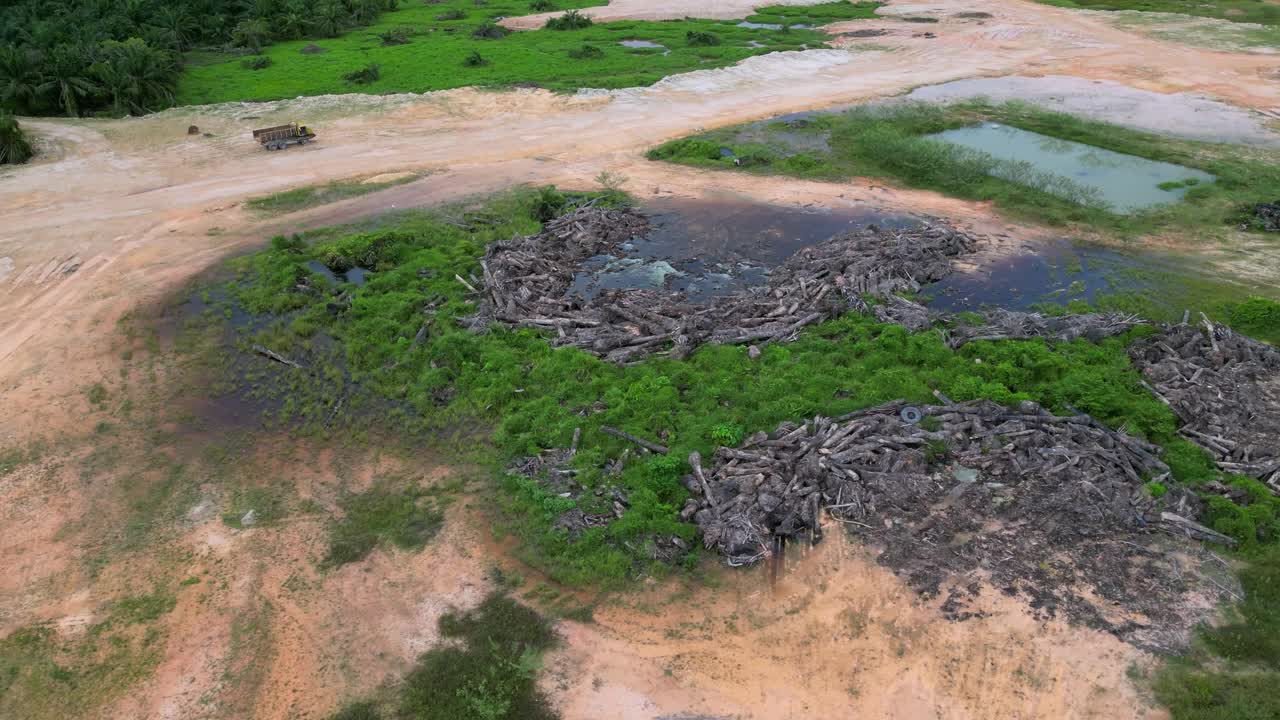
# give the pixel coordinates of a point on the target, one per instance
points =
(1125, 182)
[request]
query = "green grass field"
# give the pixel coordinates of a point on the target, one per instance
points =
(889, 142)
(436, 54)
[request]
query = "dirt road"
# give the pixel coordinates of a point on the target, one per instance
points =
(117, 214)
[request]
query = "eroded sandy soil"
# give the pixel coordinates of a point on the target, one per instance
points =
(119, 214)
(838, 636)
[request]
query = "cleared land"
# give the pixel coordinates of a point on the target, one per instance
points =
(165, 536)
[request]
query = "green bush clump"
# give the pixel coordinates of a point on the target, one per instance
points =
(14, 148)
(491, 675)
(572, 20)
(454, 14)
(586, 52)
(542, 6)
(1256, 317)
(405, 520)
(257, 62)
(701, 38)
(368, 74)
(490, 31)
(475, 59)
(548, 204)
(394, 36)
(694, 149)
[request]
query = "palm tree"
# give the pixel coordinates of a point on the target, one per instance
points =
(19, 79)
(176, 20)
(138, 77)
(14, 147)
(364, 12)
(329, 19)
(252, 33)
(65, 79)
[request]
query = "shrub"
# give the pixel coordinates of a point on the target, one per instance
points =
(572, 20)
(475, 59)
(586, 52)
(490, 31)
(365, 75)
(394, 36)
(381, 517)
(1257, 317)
(491, 674)
(14, 147)
(455, 14)
(701, 38)
(542, 6)
(548, 205)
(686, 149)
(256, 62)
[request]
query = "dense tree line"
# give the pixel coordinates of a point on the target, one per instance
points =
(123, 56)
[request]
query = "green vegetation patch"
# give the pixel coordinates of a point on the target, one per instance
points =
(489, 673)
(814, 15)
(1234, 671)
(313, 195)
(14, 147)
(46, 676)
(1241, 11)
(406, 519)
(400, 341)
(889, 142)
(454, 44)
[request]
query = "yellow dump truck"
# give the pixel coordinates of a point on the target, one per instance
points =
(282, 136)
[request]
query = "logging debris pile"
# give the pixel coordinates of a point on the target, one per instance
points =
(1046, 506)
(1225, 390)
(1001, 324)
(526, 283)
(1267, 215)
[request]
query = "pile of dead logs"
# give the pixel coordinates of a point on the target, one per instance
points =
(1051, 507)
(880, 467)
(1268, 216)
(1001, 324)
(1225, 390)
(526, 284)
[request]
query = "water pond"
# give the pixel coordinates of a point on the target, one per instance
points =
(706, 248)
(1125, 182)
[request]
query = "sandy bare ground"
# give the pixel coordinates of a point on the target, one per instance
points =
(120, 214)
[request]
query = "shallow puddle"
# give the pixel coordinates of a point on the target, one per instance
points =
(1054, 274)
(770, 26)
(709, 248)
(355, 276)
(1127, 183)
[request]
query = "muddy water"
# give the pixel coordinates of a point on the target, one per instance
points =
(1125, 182)
(1051, 273)
(706, 248)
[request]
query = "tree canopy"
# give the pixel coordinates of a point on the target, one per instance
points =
(75, 57)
